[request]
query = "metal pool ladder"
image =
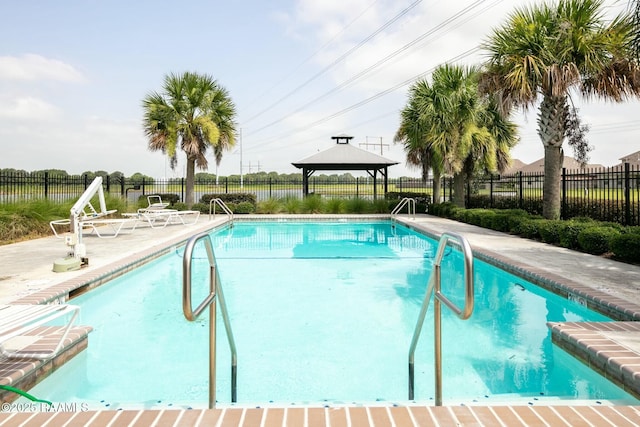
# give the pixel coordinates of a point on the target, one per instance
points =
(223, 206)
(215, 289)
(411, 208)
(434, 288)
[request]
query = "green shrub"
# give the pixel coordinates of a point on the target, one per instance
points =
(486, 218)
(549, 230)
(312, 204)
(269, 206)
(569, 233)
(626, 247)
(500, 221)
(515, 223)
(420, 198)
(381, 206)
(633, 230)
(529, 228)
(334, 206)
(244, 208)
(292, 205)
(231, 206)
(356, 206)
(475, 216)
(203, 208)
(595, 240)
(445, 210)
(230, 198)
(179, 206)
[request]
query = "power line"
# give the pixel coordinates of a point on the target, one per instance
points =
(313, 55)
(372, 98)
(339, 59)
(383, 61)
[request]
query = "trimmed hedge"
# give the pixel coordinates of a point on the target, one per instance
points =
(599, 210)
(626, 247)
(580, 233)
(230, 198)
(595, 240)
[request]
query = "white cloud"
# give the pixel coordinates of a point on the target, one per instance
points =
(27, 108)
(31, 67)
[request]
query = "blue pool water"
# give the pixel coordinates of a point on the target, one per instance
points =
(322, 312)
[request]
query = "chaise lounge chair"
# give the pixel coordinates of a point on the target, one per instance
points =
(157, 215)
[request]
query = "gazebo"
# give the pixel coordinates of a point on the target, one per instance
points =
(344, 156)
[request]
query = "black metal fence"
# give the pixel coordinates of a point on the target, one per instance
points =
(607, 194)
(610, 194)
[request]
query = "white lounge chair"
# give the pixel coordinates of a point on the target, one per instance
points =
(16, 321)
(155, 203)
(157, 215)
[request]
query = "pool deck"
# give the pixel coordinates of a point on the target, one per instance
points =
(613, 348)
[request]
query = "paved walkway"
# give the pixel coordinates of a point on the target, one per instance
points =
(27, 267)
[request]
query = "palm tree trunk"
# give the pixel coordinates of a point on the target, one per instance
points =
(458, 189)
(191, 166)
(551, 129)
(551, 188)
(436, 187)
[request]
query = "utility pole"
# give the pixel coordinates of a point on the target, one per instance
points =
(241, 176)
(367, 144)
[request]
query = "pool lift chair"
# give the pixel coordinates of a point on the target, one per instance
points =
(81, 212)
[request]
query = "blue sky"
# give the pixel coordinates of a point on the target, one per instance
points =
(73, 75)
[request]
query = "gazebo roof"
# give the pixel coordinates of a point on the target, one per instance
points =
(344, 156)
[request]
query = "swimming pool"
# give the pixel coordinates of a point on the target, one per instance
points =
(322, 313)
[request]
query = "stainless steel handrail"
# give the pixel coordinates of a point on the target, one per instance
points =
(434, 288)
(223, 206)
(215, 289)
(411, 207)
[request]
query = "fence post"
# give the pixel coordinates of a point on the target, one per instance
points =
(143, 186)
(444, 188)
(520, 192)
(627, 195)
(564, 207)
(182, 189)
(270, 196)
(108, 183)
(122, 190)
(468, 198)
(491, 190)
(85, 179)
(46, 184)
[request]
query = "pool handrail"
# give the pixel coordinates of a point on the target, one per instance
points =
(218, 201)
(409, 202)
(433, 288)
(215, 289)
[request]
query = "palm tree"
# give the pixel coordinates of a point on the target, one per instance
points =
(413, 133)
(451, 128)
(635, 16)
(547, 52)
(194, 112)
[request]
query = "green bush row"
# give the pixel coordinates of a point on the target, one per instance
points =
(599, 210)
(579, 233)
